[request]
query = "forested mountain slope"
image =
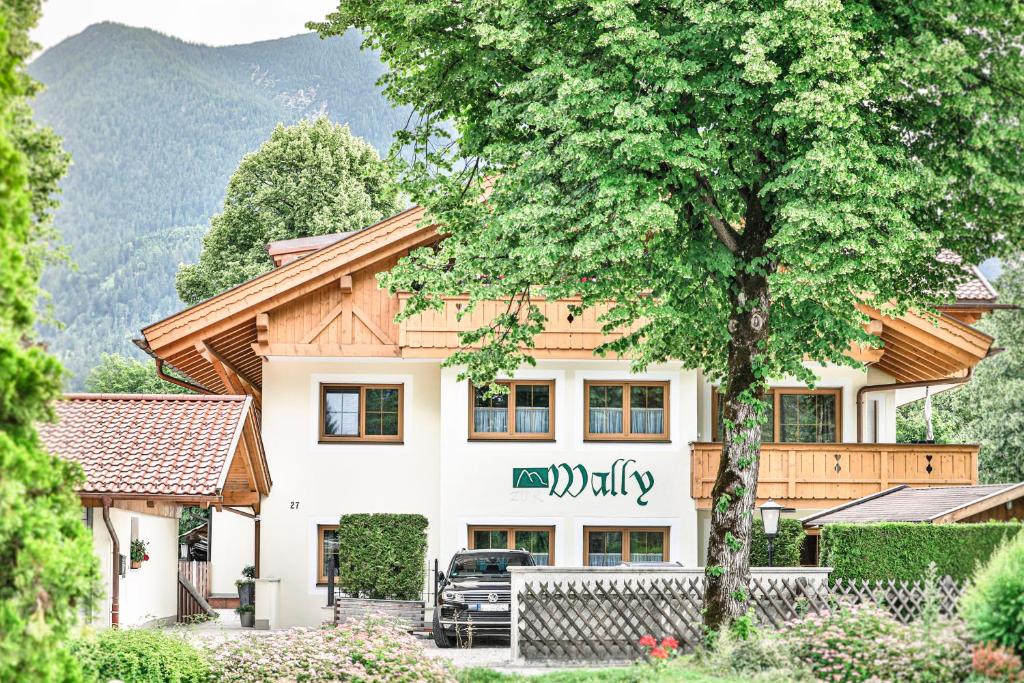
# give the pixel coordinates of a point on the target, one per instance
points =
(155, 127)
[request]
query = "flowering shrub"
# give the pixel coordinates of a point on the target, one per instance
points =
(997, 663)
(138, 656)
(659, 652)
(864, 643)
(368, 650)
(139, 550)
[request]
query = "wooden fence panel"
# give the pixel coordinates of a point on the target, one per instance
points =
(600, 621)
(198, 573)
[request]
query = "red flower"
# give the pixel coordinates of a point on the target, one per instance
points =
(669, 643)
(648, 641)
(145, 558)
(659, 653)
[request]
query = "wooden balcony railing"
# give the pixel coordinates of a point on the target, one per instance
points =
(818, 476)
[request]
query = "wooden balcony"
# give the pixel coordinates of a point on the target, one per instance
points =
(819, 476)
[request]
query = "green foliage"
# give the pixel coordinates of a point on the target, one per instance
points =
(140, 656)
(382, 555)
(370, 649)
(191, 517)
(787, 544)
(990, 409)
(864, 643)
(904, 550)
(117, 374)
(47, 568)
(152, 162)
(311, 178)
(138, 549)
(994, 603)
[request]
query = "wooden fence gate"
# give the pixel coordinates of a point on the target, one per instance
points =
(603, 621)
(193, 590)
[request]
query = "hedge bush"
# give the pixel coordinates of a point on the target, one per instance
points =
(993, 606)
(787, 544)
(903, 550)
(140, 656)
(382, 556)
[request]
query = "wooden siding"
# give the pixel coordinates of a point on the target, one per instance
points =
(824, 475)
(564, 336)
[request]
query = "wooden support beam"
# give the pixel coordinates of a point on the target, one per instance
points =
(311, 336)
(330, 350)
(374, 329)
(345, 282)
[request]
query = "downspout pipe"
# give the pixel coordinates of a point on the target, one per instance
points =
(180, 382)
(870, 388)
(115, 565)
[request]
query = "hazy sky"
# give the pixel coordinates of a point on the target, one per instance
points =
(214, 22)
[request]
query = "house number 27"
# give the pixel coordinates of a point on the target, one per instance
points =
(294, 505)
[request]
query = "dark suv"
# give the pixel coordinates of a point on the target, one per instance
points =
(475, 597)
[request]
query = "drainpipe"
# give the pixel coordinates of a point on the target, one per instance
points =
(180, 382)
(115, 565)
(869, 388)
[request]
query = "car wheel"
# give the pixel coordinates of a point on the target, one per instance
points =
(441, 638)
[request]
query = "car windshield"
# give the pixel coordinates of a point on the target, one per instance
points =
(488, 565)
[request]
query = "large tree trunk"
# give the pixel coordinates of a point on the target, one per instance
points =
(733, 496)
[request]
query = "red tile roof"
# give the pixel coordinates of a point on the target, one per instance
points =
(155, 444)
(976, 287)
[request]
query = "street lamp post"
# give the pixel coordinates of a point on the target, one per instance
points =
(770, 514)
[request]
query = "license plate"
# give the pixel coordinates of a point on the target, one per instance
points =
(488, 607)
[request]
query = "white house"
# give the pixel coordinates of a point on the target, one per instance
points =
(583, 463)
(145, 456)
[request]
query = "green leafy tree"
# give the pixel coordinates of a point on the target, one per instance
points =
(47, 568)
(117, 374)
(990, 409)
(312, 178)
(729, 178)
(191, 517)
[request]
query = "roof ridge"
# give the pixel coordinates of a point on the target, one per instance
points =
(84, 396)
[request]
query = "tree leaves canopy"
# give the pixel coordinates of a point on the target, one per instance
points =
(47, 568)
(627, 145)
(311, 178)
(117, 374)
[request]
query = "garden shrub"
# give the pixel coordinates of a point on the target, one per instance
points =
(864, 643)
(382, 555)
(995, 663)
(140, 656)
(371, 649)
(787, 544)
(993, 605)
(903, 550)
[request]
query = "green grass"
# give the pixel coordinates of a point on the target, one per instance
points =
(681, 672)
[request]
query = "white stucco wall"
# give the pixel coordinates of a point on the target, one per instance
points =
(148, 595)
(232, 542)
(316, 483)
(476, 477)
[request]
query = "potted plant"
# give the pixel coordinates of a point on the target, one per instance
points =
(246, 588)
(138, 552)
(246, 615)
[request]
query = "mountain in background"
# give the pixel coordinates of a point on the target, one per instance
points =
(155, 127)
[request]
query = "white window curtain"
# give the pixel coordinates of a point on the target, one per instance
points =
(605, 421)
(532, 420)
(647, 420)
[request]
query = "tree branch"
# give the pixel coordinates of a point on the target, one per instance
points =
(726, 234)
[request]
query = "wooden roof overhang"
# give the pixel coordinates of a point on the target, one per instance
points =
(924, 347)
(213, 342)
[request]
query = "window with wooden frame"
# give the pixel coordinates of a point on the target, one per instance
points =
(539, 540)
(326, 545)
(608, 546)
(794, 415)
(625, 411)
(525, 413)
(370, 413)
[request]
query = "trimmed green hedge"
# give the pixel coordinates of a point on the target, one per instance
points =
(787, 544)
(382, 556)
(139, 656)
(903, 550)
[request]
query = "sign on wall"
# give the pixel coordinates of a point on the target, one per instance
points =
(621, 479)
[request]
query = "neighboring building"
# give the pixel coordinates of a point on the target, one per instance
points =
(583, 463)
(145, 456)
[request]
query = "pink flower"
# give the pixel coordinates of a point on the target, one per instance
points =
(669, 643)
(659, 653)
(648, 641)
